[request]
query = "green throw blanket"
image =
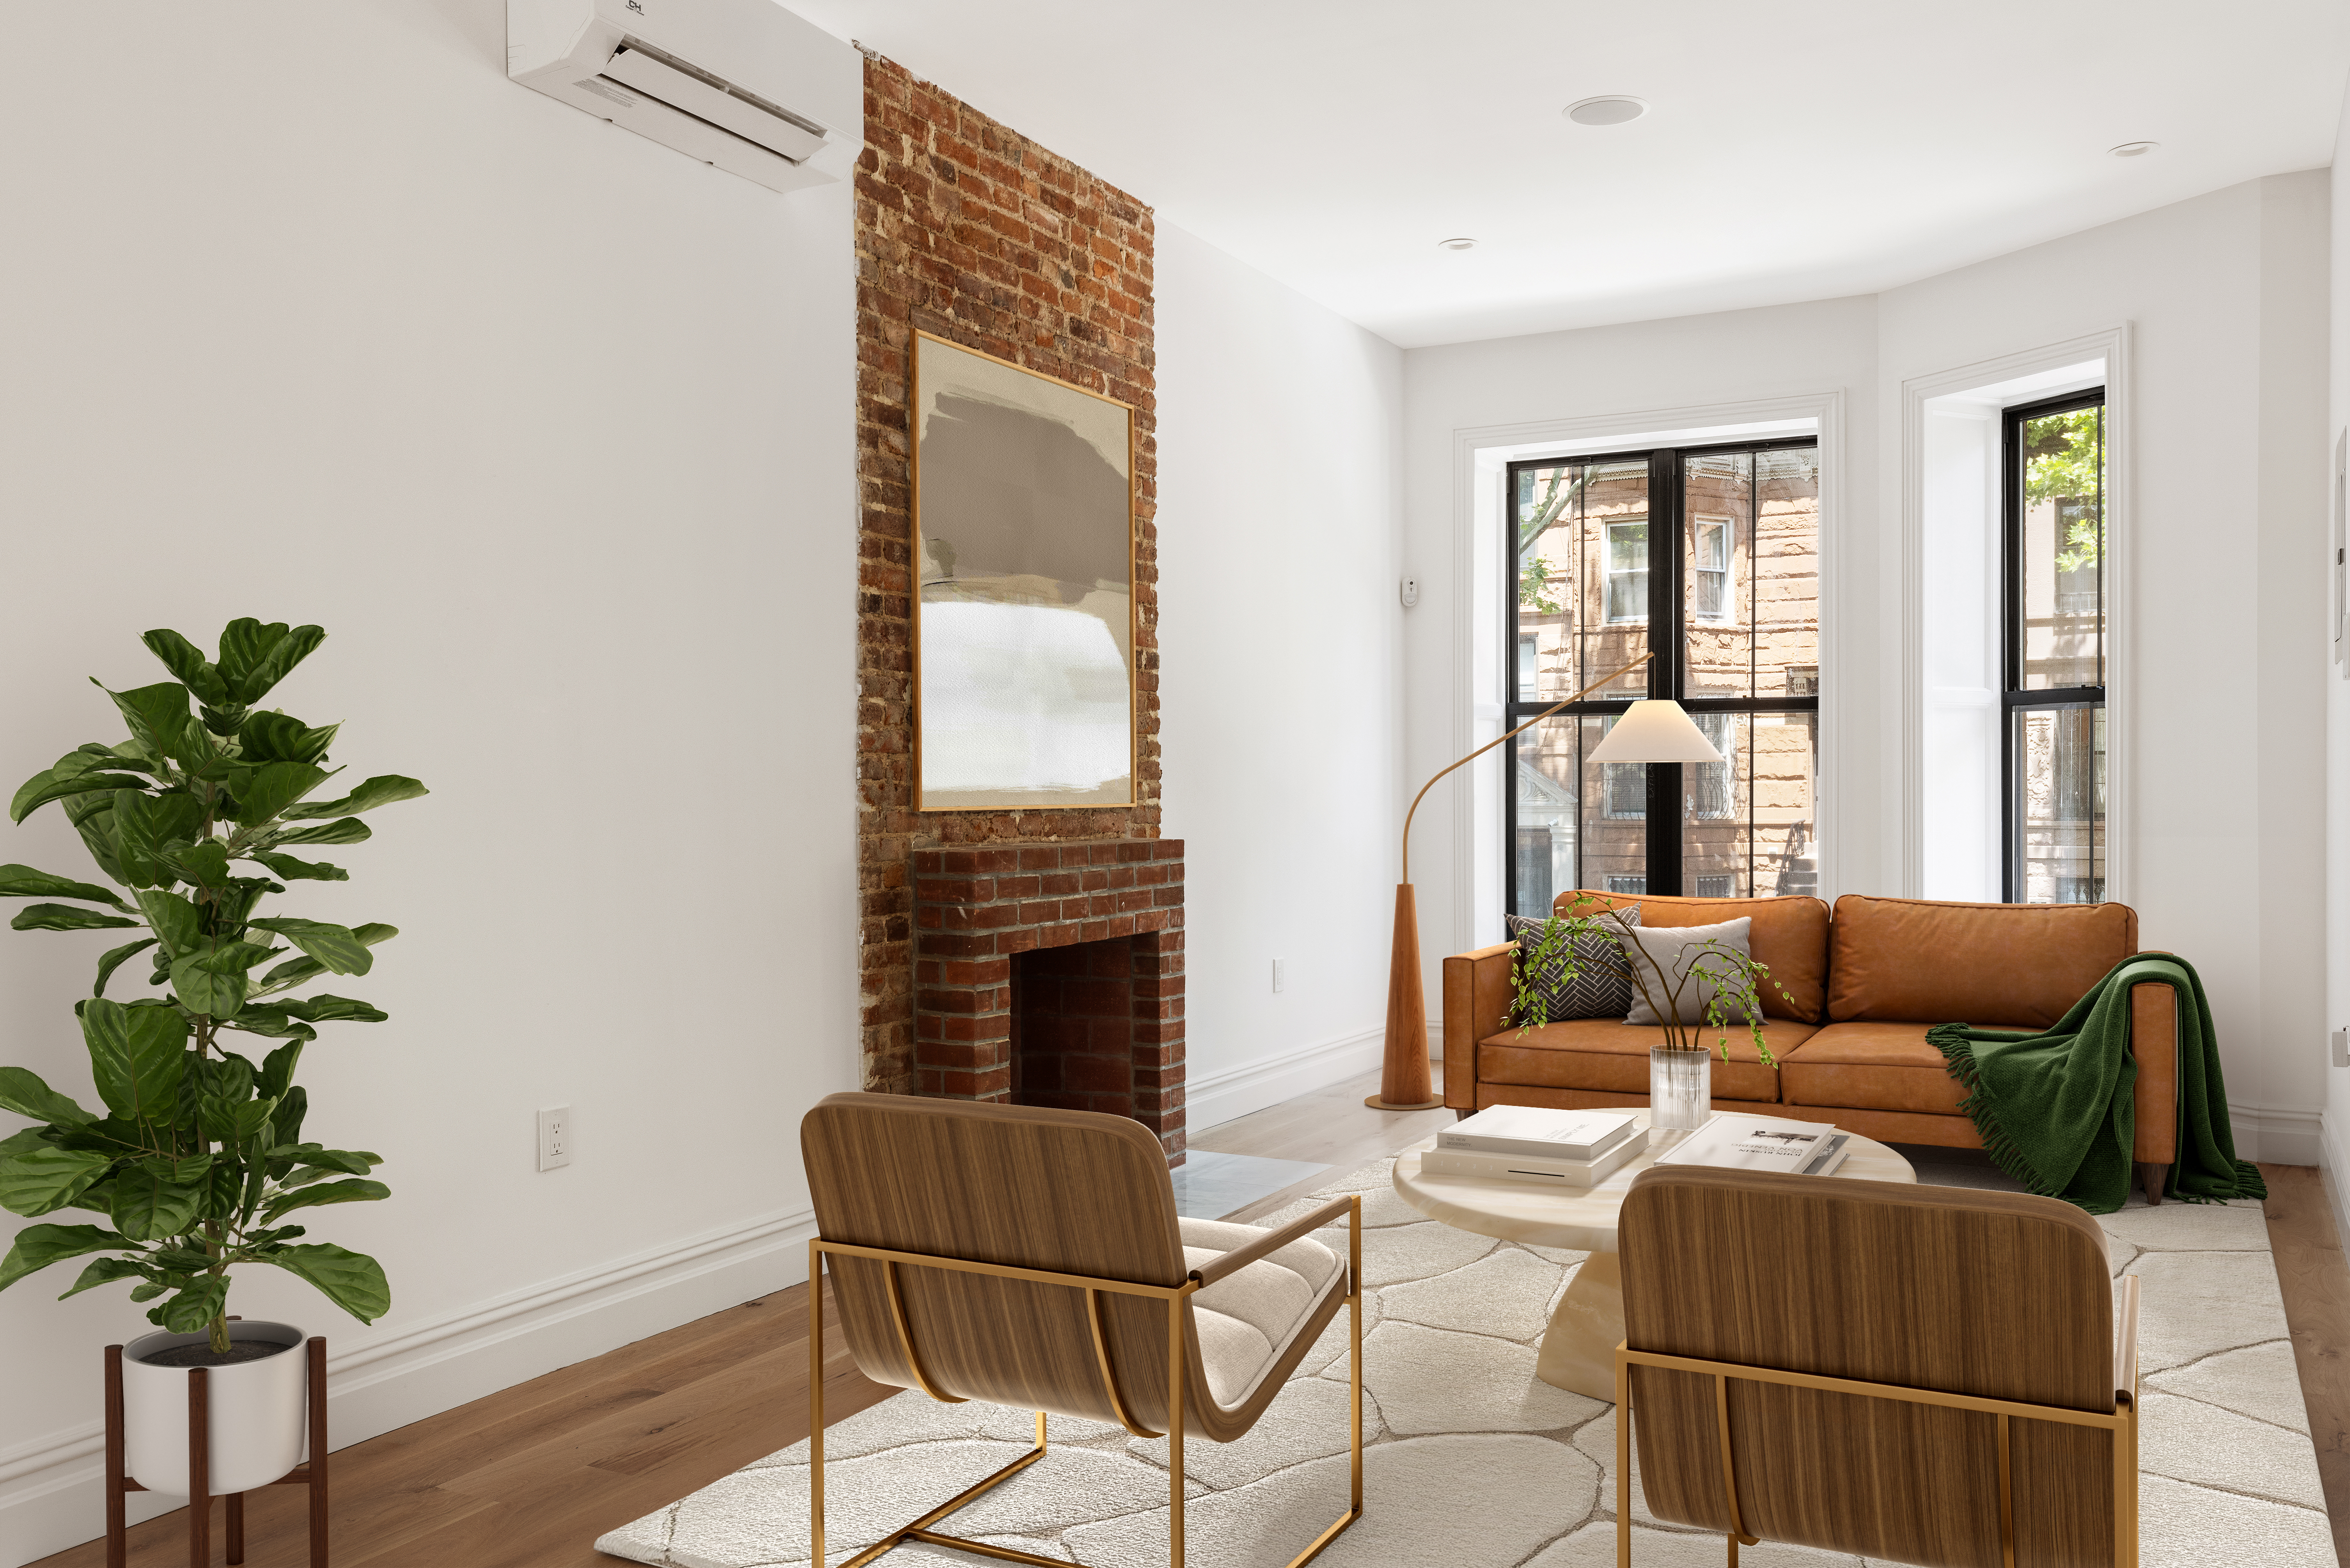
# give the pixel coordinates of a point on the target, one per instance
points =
(2055, 1109)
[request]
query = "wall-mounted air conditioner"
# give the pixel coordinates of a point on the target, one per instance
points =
(740, 84)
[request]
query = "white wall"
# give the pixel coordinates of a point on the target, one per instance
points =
(1279, 528)
(2336, 1161)
(2223, 545)
(1652, 376)
(323, 319)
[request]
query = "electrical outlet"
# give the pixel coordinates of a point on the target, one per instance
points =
(2341, 1043)
(555, 1137)
(1280, 973)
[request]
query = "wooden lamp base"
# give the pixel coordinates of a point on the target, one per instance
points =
(1403, 1071)
(312, 1474)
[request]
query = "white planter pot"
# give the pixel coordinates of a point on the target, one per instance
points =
(259, 1413)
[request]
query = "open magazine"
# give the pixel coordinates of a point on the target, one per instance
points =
(1762, 1143)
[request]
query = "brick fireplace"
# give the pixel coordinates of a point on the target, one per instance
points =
(1051, 974)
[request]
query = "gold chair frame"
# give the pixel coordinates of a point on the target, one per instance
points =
(1175, 1296)
(2122, 1424)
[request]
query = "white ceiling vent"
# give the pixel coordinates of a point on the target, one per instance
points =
(740, 84)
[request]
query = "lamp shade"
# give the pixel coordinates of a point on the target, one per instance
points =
(1656, 730)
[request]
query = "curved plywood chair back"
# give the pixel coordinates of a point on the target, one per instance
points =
(1066, 1192)
(1997, 1295)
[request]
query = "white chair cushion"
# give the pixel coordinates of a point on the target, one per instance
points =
(1246, 1320)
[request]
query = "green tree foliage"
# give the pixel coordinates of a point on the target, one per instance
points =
(1536, 514)
(2064, 461)
(197, 1158)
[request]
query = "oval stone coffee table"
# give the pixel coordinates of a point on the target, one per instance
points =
(1578, 1350)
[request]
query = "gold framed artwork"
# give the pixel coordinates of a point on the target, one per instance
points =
(1024, 601)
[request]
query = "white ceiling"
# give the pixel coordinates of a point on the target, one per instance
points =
(1790, 152)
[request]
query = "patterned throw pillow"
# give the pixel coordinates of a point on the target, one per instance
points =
(1600, 987)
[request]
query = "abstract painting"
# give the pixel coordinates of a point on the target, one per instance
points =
(1023, 616)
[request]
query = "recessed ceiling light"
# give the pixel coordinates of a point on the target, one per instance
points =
(2133, 149)
(1458, 243)
(1614, 109)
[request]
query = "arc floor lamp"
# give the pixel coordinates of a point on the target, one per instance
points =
(1654, 731)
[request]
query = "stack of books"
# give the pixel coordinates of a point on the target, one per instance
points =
(1760, 1143)
(1527, 1143)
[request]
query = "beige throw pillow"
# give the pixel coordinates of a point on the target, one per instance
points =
(1674, 952)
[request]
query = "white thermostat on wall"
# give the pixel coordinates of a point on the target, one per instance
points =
(741, 84)
(1409, 590)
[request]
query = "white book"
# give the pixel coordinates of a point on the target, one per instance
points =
(1539, 1131)
(1736, 1142)
(1538, 1170)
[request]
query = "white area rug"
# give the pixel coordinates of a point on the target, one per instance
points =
(1470, 1462)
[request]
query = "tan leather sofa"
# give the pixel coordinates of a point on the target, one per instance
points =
(1864, 984)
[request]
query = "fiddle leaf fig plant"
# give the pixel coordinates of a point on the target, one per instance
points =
(197, 1160)
(1730, 981)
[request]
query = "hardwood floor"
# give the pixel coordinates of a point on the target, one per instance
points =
(2317, 1284)
(530, 1476)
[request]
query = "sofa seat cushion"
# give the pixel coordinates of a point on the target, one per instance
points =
(1875, 1066)
(1600, 1054)
(1246, 1319)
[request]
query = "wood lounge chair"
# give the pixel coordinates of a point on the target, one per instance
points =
(1034, 1257)
(1915, 1375)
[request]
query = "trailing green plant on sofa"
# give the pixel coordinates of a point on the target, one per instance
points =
(197, 1160)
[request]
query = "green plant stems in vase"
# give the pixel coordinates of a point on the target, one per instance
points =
(1679, 1068)
(198, 1159)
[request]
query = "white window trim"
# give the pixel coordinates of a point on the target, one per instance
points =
(1608, 573)
(1728, 570)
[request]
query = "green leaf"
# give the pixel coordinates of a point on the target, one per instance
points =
(47, 1179)
(92, 816)
(24, 1093)
(114, 959)
(338, 948)
(254, 658)
(276, 787)
(204, 864)
(174, 918)
(106, 1270)
(338, 1161)
(188, 665)
(65, 918)
(160, 720)
(38, 1246)
(193, 1309)
(271, 1022)
(137, 1054)
(326, 1009)
(343, 830)
(277, 1072)
(45, 787)
(23, 882)
(158, 1198)
(215, 983)
(351, 1280)
(23, 1141)
(149, 826)
(275, 738)
(376, 792)
(294, 870)
(326, 1192)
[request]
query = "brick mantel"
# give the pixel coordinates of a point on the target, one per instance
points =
(1105, 1034)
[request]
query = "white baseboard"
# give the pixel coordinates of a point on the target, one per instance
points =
(1218, 1097)
(51, 1495)
(2334, 1176)
(2280, 1135)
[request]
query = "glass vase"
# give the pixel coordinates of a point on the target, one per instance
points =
(1680, 1089)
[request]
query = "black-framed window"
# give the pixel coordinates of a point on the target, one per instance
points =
(2053, 650)
(1710, 557)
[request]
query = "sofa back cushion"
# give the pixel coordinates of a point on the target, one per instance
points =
(1790, 935)
(2019, 965)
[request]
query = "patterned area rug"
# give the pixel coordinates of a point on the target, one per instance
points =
(1469, 1461)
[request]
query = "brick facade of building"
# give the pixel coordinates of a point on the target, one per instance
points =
(969, 231)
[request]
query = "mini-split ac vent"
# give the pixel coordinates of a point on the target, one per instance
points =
(740, 84)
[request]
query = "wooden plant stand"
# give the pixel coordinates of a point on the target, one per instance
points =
(200, 1503)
